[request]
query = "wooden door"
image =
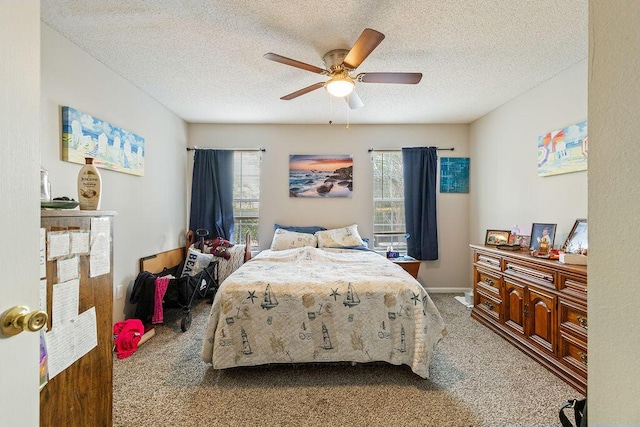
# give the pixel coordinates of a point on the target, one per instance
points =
(540, 310)
(514, 306)
(19, 204)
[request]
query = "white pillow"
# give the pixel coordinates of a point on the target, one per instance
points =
(339, 237)
(196, 262)
(284, 239)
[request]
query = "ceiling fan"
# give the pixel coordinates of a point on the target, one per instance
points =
(340, 63)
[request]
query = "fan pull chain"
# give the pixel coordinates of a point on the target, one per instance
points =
(330, 109)
(348, 108)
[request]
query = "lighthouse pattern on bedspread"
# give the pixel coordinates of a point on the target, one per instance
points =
(321, 305)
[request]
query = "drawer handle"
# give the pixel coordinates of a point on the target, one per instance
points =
(489, 305)
(582, 321)
(583, 357)
(488, 281)
(527, 271)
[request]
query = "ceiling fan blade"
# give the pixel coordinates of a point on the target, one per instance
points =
(292, 62)
(303, 91)
(401, 78)
(354, 100)
(366, 43)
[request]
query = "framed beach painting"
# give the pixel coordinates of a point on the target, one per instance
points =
(110, 146)
(320, 175)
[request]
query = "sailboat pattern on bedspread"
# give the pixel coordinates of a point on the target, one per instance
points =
(321, 305)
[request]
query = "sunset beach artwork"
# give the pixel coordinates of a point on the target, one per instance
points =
(319, 176)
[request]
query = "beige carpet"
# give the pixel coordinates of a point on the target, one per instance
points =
(477, 379)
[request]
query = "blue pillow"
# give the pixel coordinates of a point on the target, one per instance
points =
(309, 230)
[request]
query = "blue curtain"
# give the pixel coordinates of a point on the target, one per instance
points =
(420, 165)
(212, 193)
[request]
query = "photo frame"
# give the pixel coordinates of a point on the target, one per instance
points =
(497, 237)
(577, 240)
(320, 175)
(522, 240)
(540, 231)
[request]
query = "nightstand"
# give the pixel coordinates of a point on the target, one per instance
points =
(411, 266)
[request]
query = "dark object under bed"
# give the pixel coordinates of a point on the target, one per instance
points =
(181, 292)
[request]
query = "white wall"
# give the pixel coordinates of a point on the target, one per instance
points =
(450, 272)
(614, 204)
(505, 186)
(151, 210)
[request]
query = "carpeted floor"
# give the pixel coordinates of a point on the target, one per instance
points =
(477, 379)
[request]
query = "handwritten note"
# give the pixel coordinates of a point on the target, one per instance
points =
(68, 269)
(43, 294)
(70, 342)
(58, 244)
(65, 303)
(79, 242)
(43, 253)
(100, 253)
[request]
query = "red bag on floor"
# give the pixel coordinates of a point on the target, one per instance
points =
(126, 336)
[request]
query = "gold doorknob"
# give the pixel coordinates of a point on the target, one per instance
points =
(20, 318)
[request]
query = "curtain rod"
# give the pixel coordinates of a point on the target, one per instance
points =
(231, 149)
(400, 149)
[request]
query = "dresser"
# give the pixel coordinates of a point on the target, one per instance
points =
(81, 394)
(538, 305)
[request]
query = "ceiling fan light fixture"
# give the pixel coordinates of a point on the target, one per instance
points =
(340, 86)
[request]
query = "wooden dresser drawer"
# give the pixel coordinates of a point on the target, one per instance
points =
(537, 274)
(488, 260)
(574, 286)
(573, 352)
(573, 317)
(489, 305)
(489, 281)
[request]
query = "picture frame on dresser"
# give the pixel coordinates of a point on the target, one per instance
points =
(577, 240)
(540, 232)
(497, 237)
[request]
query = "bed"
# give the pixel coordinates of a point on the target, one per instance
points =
(305, 304)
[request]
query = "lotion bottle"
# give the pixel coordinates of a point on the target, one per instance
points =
(89, 186)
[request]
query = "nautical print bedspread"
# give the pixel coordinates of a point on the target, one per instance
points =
(313, 305)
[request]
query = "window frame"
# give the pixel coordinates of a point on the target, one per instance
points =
(243, 222)
(396, 232)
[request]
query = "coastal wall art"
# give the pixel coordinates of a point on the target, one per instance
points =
(564, 150)
(317, 176)
(110, 146)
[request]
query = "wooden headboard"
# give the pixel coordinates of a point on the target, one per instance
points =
(156, 263)
(191, 238)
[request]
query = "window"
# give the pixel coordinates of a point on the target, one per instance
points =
(388, 201)
(246, 195)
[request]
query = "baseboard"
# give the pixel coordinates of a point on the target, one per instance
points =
(447, 290)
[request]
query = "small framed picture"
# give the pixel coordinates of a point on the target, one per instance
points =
(542, 233)
(497, 237)
(521, 240)
(577, 242)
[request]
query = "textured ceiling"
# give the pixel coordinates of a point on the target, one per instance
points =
(202, 59)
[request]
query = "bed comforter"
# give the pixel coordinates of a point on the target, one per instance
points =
(313, 305)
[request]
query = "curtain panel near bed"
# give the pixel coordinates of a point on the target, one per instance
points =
(212, 193)
(420, 166)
